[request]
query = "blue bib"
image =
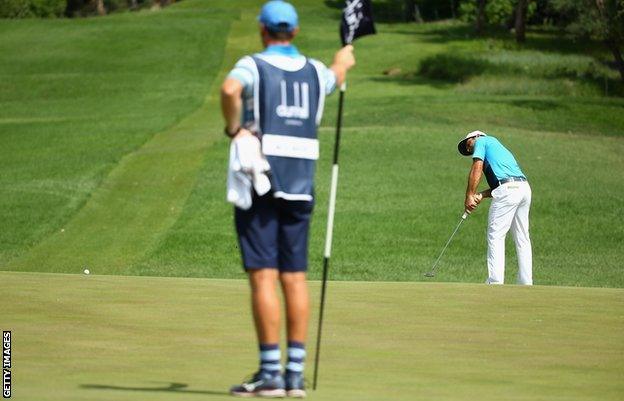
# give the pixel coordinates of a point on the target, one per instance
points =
(287, 105)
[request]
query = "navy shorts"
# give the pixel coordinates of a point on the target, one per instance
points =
(274, 233)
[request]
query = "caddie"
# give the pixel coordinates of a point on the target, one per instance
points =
(511, 200)
(278, 95)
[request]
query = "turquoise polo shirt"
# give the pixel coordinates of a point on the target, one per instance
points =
(498, 162)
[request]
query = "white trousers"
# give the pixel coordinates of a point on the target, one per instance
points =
(509, 209)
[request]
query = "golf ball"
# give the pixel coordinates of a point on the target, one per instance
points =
(86, 271)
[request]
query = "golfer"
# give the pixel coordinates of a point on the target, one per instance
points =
(278, 95)
(511, 201)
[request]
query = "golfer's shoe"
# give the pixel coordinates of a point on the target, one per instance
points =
(262, 384)
(295, 386)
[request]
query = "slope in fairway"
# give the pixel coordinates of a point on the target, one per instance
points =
(128, 338)
(113, 162)
(402, 180)
(78, 95)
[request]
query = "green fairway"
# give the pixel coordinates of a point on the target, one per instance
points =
(114, 157)
(138, 338)
(80, 101)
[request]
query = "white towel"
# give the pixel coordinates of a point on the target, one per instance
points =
(247, 168)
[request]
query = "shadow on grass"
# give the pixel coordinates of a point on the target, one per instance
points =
(538, 38)
(440, 71)
(171, 388)
(444, 32)
(455, 68)
(412, 79)
(535, 104)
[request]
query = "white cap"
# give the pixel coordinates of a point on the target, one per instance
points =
(461, 146)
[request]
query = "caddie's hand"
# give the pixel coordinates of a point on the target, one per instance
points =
(344, 57)
(242, 132)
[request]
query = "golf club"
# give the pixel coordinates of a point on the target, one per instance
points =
(431, 273)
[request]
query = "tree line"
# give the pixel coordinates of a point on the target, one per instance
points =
(72, 8)
(600, 20)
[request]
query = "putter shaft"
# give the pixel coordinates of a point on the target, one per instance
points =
(431, 272)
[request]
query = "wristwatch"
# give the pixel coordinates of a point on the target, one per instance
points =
(232, 134)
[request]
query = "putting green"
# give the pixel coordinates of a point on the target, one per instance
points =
(78, 337)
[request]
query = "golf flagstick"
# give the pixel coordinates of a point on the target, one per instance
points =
(357, 21)
(330, 230)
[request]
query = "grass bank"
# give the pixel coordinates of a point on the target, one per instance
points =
(79, 95)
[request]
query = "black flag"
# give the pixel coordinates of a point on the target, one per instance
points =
(357, 20)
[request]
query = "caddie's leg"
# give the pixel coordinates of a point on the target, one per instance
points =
(520, 232)
(297, 298)
(266, 312)
(257, 237)
(268, 380)
(297, 315)
(257, 230)
(500, 217)
(265, 304)
(293, 263)
(295, 290)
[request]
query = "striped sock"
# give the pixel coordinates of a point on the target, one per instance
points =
(270, 356)
(296, 356)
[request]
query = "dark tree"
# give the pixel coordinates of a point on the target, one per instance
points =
(480, 23)
(601, 20)
(99, 7)
(409, 7)
(520, 25)
(612, 17)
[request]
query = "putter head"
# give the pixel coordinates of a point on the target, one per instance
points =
(430, 274)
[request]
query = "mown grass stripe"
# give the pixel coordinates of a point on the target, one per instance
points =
(136, 204)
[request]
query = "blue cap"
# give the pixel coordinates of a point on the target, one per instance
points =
(279, 16)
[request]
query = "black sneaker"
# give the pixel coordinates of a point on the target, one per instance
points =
(262, 384)
(295, 386)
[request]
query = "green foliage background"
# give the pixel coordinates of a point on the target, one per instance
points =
(31, 8)
(498, 12)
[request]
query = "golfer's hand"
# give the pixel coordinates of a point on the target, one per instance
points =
(470, 203)
(478, 197)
